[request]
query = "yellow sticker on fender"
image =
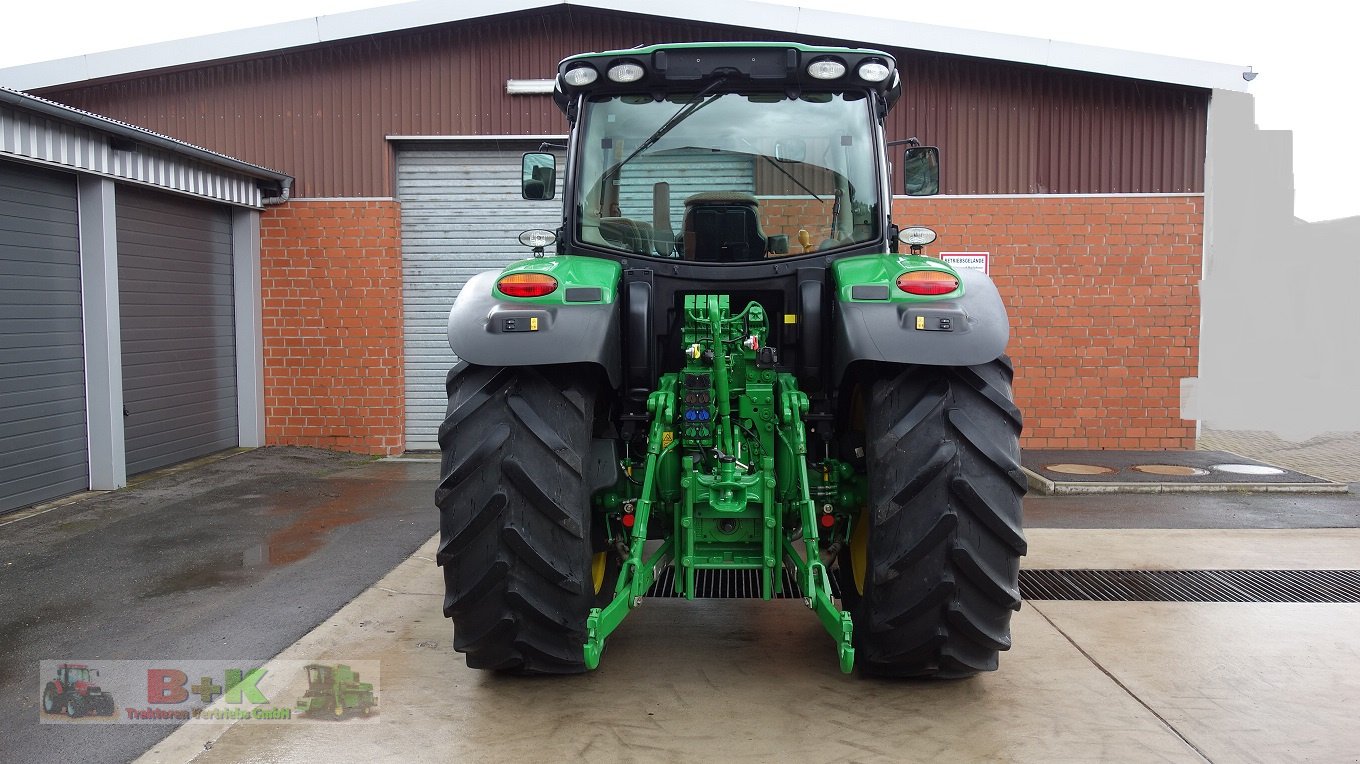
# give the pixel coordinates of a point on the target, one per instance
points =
(533, 323)
(920, 322)
(666, 438)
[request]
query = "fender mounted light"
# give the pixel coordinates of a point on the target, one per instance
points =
(927, 282)
(526, 284)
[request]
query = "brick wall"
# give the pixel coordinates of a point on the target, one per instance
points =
(1104, 306)
(330, 273)
(788, 216)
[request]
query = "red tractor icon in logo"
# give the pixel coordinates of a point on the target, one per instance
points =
(73, 693)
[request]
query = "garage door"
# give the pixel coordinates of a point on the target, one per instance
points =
(461, 213)
(178, 328)
(43, 449)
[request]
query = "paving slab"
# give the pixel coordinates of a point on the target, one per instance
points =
(1331, 455)
(1260, 682)
(1183, 549)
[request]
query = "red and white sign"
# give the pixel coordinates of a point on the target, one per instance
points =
(974, 261)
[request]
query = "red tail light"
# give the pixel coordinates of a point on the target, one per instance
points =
(927, 282)
(527, 284)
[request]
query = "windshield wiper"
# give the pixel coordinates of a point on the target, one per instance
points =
(789, 175)
(684, 113)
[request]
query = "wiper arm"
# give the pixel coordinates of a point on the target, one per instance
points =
(789, 175)
(683, 114)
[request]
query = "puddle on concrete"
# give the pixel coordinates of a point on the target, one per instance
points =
(348, 502)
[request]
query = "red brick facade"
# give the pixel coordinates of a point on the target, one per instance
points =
(1102, 291)
(330, 273)
(1104, 305)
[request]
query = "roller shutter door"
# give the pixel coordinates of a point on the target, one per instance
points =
(43, 446)
(178, 328)
(461, 213)
(688, 171)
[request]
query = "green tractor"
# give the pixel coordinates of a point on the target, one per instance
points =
(335, 690)
(720, 364)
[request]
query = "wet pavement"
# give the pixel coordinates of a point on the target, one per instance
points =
(233, 559)
(243, 557)
(743, 680)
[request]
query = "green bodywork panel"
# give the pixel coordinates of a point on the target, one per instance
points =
(570, 271)
(884, 270)
(727, 482)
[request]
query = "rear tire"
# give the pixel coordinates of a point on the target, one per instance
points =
(514, 519)
(50, 699)
(945, 536)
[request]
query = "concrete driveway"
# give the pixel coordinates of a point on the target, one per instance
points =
(253, 556)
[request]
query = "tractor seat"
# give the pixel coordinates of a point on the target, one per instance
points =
(633, 235)
(723, 226)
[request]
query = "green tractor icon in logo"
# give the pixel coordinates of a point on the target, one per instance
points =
(73, 693)
(336, 690)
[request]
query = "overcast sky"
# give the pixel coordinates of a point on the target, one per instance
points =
(1296, 47)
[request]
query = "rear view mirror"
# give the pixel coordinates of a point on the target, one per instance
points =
(921, 171)
(791, 150)
(539, 176)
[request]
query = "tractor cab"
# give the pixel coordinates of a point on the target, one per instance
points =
(319, 680)
(700, 154)
(74, 674)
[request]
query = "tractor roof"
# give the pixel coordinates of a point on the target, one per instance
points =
(743, 66)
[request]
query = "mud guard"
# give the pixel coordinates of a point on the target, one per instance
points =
(490, 332)
(970, 330)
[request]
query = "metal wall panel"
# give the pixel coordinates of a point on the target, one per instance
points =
(461, 213)
(43, 448)
(322, 112)
(178, 328)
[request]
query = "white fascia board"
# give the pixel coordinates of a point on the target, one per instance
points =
(393, 18)
(781, 18)
(741, 13)
(1147, 66)
(255, 40)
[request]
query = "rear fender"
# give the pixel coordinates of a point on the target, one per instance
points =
(488, 329)
(978, 328)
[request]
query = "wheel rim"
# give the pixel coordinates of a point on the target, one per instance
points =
(859, 550)
(598, 564)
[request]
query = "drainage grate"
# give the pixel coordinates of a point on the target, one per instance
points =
(1088, 585)
(1192, 585)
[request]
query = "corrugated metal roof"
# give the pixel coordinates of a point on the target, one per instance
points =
(38, 131)
(758, 15)
(63, 151)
